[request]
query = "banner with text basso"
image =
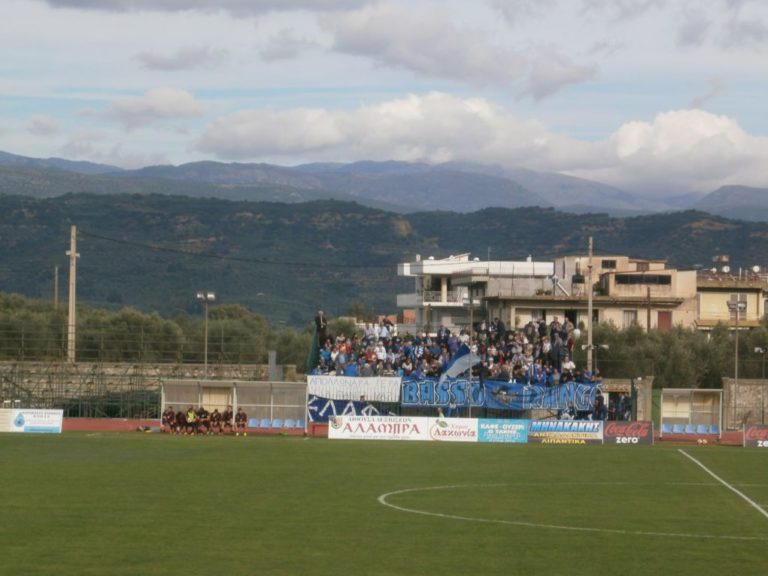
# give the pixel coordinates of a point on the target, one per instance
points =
(756, 436)
(378, 389)
(403, 428)
(628, 433)
(497, 394)
(565, 431)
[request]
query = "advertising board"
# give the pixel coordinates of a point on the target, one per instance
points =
(378, 428)
(756, 436)
(628, 433)
(403, 428)
(500, 430)
(30, 420)
(565, 431)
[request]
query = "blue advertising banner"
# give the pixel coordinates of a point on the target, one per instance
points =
(499, 430)
(497, 394)
(566, 431)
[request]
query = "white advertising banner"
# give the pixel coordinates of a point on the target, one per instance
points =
(403, 428)
(30, 420)
(375, 389)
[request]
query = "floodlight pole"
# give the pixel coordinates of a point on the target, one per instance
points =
(71, 313)
(205, 298)
(763, 352)
(736, 306)
(589, 309)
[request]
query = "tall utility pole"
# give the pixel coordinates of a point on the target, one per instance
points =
(56, 287)
(736, 306)
(589, 308)
(206, 298)
(71, 321)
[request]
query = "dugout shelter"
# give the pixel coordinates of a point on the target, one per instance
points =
(691, 411)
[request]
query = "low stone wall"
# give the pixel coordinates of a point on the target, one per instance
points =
(49, 380)
(744, 402)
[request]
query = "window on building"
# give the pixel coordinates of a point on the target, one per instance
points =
(742, 307)
(642, 266)
(630, 318)
(644, 279)
(608, 264)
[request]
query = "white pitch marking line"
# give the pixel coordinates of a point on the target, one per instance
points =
(383, 501)
(749, 500)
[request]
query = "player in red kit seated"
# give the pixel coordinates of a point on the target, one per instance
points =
(241, 420)
(216, 425)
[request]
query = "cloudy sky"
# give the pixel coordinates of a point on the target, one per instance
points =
(649, 95)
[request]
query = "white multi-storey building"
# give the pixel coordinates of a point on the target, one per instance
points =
(459, 290)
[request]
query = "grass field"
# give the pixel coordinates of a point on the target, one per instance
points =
(149, 504)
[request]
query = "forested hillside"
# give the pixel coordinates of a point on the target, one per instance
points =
(153, 252)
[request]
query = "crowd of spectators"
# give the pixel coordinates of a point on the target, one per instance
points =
(539, 353)
(199, 421)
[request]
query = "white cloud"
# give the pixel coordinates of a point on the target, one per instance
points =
(684, 149)
(238, 7)
(517, 12)
(551, 72)
(253, 133)
(42, 126)
(622, 9)
(428, 42)
(751, 33)
(157, 104)
(694, 28)
(99, 146)
(716, 87)
(185, 58)
(689, 149)
(285, 45)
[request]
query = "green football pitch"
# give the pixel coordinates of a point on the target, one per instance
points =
(149, 504)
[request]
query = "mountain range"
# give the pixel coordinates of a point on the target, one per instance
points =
(399, 187)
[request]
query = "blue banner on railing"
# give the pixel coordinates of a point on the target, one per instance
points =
(497, 394)
(321, 409)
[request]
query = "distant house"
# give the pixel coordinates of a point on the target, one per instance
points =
(732, 300)
(458, 290)
(452, 291)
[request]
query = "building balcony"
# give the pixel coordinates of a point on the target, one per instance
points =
(453, 299)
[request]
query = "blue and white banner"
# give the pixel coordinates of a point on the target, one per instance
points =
(580, 395)
(495, 394)
(375, 389)
(431, 392)
(462, 361)
(323, 409)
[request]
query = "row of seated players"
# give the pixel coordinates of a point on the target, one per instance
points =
(200, 421)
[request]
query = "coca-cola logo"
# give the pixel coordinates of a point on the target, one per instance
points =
(757, 433)
(638, 429)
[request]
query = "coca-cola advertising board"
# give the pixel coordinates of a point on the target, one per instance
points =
(756, 436)
(628, 433)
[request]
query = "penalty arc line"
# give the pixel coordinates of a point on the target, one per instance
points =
(749, 500)
(384, 502)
